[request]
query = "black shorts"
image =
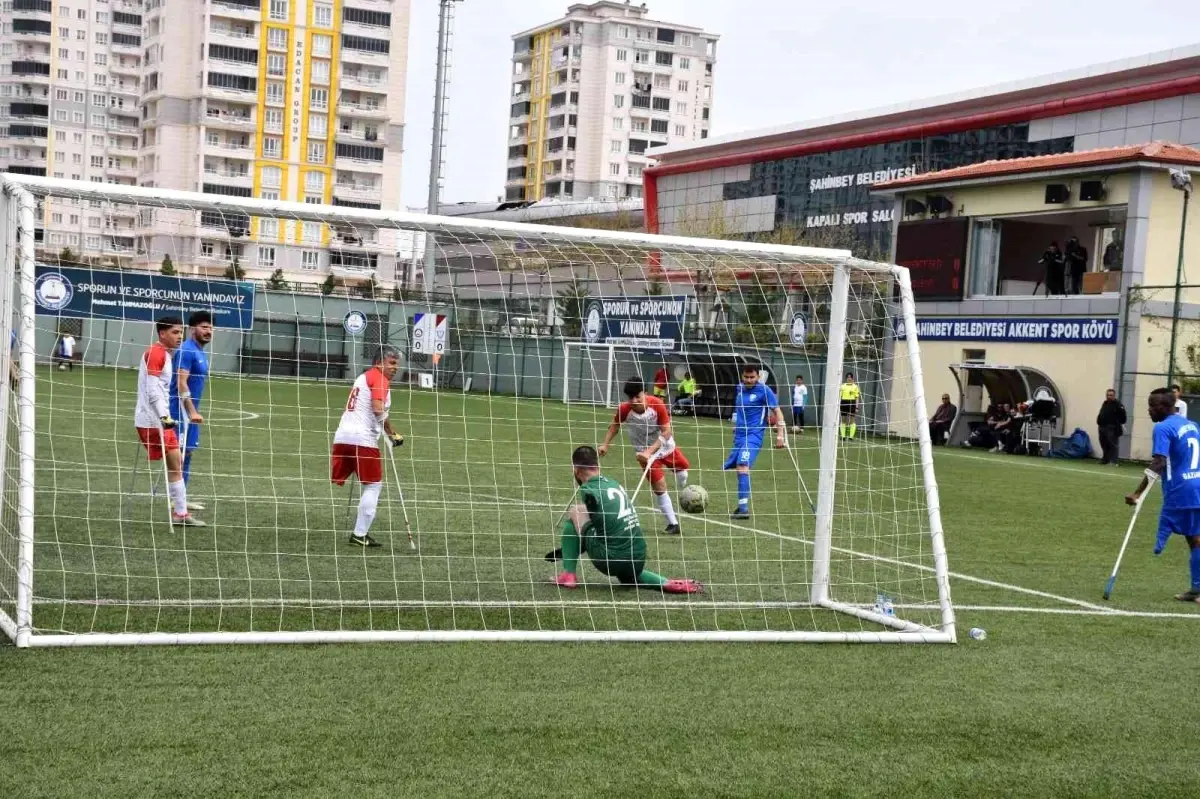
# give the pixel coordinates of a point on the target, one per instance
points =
(849, 407)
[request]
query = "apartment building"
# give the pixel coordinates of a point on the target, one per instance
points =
(298, 100)
(595, 91)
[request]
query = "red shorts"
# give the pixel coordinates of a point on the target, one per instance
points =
(676, 462)
(152, 438)
(351, 459)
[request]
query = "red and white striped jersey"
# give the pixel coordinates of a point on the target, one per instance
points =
(359, 425)
(153, 386)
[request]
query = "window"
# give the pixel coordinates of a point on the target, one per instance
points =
(277, 38)
(102, 17)
(64, 53)
(100, 79)
(60, 94)
(318, 99)
(271, 147)
(81, 36)
(279, 10)
(74, 219)
(681, 130)
(56, 219)
(662, 82)
(100, 100)
(101, 38)
(276, 65)
(622, 31)
(622, 55)
(618, 123)
(64, 74)
(101, 59)
(76, 158)
(318, 125)
(664, 59)
(615, 146)
(60, 135)
(268, 195)
(97, 161)
(311, 231)
(620, 78)
(275, 93)
(322, 45)
(266, 257)
(314, 182)
(641, 57)
(683, 85)
(272, 176)
(93, 221)
(64, 11)
(618, 101)
(59, 155)
(310, 260)
(273, 120)
(99, 120)
(640, 126)
(658, 126)
(79, 97)
(93, 242)
(661, 103)
(316, 152)
(685, 40)
(206, 249)
(635, 170)
(681, 108)
(60, 115)
(268, 228)
(320, 72)
(685, 63)
(78, 118)
(614, 169)
(323, 15)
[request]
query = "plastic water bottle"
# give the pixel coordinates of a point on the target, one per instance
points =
(884, 606)
(978, 634)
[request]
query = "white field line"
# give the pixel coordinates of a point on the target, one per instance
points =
(891, 561)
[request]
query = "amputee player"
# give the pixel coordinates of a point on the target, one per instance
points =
(755, 409)
(356, 442)
(648, 423)
(1176, 459)
(187, 389)
(152, 416)
(605, 526)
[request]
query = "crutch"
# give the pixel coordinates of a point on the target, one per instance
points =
(800, 476)
(412, 544)
(1112, 578)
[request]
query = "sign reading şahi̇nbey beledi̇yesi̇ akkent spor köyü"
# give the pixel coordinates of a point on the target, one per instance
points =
(140, 296)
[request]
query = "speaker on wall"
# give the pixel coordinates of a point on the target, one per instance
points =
(1057, 193)
(913, 207)
(1092, 190)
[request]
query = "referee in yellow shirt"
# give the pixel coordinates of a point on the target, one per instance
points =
(850, 395)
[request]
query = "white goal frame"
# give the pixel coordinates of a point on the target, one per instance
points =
(18, 203)
(611, 379)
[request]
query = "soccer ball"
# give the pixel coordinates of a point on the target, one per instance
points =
(693, 499)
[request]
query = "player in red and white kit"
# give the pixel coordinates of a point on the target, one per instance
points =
(152, 416)
(356, 442)
(648, 423)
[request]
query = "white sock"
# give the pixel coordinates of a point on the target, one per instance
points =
(664, 504)
(177, 491)
(366, 508)
(681, 478)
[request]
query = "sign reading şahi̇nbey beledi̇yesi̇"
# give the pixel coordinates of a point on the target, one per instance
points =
(648, 323)
(140, 296)
(1060, 330)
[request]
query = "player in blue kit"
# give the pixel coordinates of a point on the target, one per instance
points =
(755, 410)
(190, 364)
(1176, 460)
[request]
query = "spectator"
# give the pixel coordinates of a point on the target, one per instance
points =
(1180, 405)
(1111, 421)
(660, 382)
(64, 352)
(1076, 258)
(1052, 259)
(685, 400)
(1002, 427)
(939, 423)
(799, 403)
(1113, 256)
(983, 436)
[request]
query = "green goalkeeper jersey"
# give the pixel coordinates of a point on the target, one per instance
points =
(613, 532)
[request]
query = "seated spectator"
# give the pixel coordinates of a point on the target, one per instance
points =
(1002, 426)
(1009, 438)
(939, 423)
(983, 436)
(685, 399)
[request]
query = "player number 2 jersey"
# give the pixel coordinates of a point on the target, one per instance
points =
(1178, 440)
(359, 425)
(643, 428)
(153, 386)
(614, 532)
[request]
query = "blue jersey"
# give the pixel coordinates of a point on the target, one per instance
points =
(752, 409)
(191, 357)
(1178, 440)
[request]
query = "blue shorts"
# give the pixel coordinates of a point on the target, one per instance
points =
(1181, 521)
(798, 415)
(746, 447)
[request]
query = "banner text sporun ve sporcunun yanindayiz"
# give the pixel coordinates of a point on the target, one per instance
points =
(140, 296)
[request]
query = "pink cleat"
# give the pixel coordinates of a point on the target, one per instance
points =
(566, 580)
(682, 587)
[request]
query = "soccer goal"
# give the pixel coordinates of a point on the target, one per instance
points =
(238, 531)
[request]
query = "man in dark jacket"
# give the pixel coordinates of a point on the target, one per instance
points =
(1111, 421)
(939, 423)
(1054, 262)
(1076, 258)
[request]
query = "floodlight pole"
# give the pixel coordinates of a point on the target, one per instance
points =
(1184, 184)
(445, 27)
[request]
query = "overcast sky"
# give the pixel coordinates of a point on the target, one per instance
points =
(779, 61)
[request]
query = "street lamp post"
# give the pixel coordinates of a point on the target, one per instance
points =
(1181, 180)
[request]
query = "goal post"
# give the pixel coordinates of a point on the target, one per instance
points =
(841, 537)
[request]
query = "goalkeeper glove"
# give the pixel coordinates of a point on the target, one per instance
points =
(397, 439)
(167, 422)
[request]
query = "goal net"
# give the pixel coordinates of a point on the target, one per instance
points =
(830, 533)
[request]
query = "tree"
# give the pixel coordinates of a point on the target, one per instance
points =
(276, 281)
(327, 286)
(572, 303)
(369, 288)
(68, 256)
(234, 271)
(656, 288)
(397, 294)
(168, 266)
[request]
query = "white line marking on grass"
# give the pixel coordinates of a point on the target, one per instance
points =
(1141, 614)
(892, 561)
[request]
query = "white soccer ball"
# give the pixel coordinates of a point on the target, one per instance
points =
(693, 499)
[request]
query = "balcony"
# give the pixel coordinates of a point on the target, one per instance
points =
(358, 80)
(363, 110)
(29, 30)
(362, 192)
(234, 37)
(519, 161)
(228, 177)
(119, 67)
(129, 170)
(229, 92)
(237, 9)
(126, 48)
(128, 88)
(221, 118)
(32, 72)
(238, 68)
(357, 135)
(351, 56)
(121, 148)
(344, 164)
(231, 150)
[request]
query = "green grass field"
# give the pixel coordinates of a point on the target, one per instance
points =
(1063, 698)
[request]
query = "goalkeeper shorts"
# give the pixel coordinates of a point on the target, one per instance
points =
(152, 439)
(348, 459)
(626, 571)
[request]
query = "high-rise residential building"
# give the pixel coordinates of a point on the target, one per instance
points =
(595, 91)
(299, 100)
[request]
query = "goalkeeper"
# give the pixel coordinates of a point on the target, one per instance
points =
(606, 527)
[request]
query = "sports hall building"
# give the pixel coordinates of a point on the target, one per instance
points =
(1089, 157)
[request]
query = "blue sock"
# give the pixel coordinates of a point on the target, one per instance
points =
(743, 489)
(187, 467)
(1195, 565)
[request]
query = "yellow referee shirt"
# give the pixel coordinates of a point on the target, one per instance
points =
(850, 392)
